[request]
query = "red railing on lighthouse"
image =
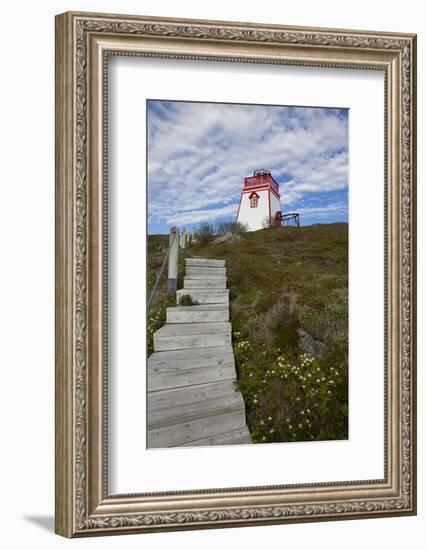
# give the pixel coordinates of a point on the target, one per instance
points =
(261, 177)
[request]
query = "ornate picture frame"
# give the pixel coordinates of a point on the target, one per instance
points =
(84, 42)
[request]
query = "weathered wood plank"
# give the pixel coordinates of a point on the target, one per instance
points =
(204, 262)
(206, 313)
(158, 381)
(203, 296)
(195, 341)
(173, 436)
(189, 411)
(216, 283)
(176, 359)
(191, 394)
(205, 272)
(193, 329)
(235, 437)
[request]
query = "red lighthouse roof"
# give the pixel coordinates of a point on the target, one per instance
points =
(261, 177)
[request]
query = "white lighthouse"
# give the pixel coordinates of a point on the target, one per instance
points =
(259, 201)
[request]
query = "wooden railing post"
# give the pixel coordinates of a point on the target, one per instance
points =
(183, 238)
(173, 260)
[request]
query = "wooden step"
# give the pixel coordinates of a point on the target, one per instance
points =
(204, 262)
(191, 335)
(180, 434)
(187, 410)
(205, 272)
(166, 361)
(192, 394)
(217, 283)
(206, 313)
(180, 377)
(235, 437)
(167, 370)
(205, 296)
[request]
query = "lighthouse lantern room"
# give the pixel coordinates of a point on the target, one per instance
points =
(259, 201)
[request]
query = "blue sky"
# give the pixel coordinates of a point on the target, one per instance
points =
(199, 153)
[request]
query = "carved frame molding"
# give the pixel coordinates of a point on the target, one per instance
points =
(83, 43)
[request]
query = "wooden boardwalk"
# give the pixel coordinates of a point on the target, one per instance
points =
(192, 400)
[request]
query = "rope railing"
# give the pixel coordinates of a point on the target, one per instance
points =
(172, 254)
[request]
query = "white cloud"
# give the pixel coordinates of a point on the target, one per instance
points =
(196, 216)
(337, 208)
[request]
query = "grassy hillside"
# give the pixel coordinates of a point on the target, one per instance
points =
(288, 293)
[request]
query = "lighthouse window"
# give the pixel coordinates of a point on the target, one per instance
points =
(254, 201)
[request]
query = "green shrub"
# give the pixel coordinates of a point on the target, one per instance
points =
(328, 323)
(286, 335)
(156, 318)
(187, 300)
(205, 233)
(226, 226)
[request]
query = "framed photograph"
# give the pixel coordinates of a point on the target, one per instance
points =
(235, 274)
